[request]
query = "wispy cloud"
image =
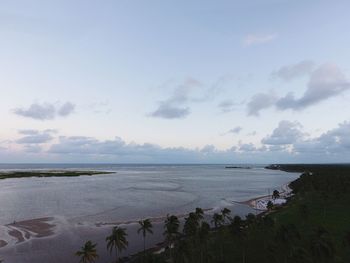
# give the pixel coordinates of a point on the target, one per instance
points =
(293, 71)
(185, 94)
(258, 39)
(235, 130)
(35, 136)
(226, 106)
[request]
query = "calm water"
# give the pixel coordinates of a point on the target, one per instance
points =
(132, 192)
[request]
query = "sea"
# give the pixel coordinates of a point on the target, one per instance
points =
(132, 191)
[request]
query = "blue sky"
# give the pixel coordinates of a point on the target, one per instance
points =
(174, 81)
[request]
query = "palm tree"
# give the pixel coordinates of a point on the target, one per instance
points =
(226, 213)
(322, 247)
(217, 220)
(200, 213)
(171, 226)
(275, 194)
(191, 225)
(346, 239)
(183, 253)
(269, 205)
(287, 235)
(117, 240)
(203, 234)
(171, 232)
(87, 253)
(145, 227)
(299, 255)
(250, 219)
(238, 231)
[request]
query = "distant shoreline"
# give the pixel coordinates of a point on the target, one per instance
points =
(50, 173)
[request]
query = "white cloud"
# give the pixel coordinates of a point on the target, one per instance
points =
(257, 39)
(326, 82)
(287, 132)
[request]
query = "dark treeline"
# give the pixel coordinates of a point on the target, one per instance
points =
(313, 226)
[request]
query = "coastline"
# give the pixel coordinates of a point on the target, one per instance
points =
(34, 237)
(52, 229)
(253, 203)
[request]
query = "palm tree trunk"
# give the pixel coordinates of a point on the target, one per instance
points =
(243, 256)
(144, 248)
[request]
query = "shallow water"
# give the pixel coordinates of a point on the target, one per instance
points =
(134, 191)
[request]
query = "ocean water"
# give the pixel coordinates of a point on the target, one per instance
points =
(132, 191)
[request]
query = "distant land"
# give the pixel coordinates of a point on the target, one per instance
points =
(21, 174)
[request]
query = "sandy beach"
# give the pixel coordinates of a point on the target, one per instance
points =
(260, 203)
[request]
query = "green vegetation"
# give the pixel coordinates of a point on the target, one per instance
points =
(145, 227)
(21, 174)
(88, 253)
(314, 226)
(117, 240)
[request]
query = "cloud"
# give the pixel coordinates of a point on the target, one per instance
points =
(286, 143)
(235, 130)
(37, 111)
(253, 133)
(188, 92)
(287, 132)
(33, 148)
(35, 137)
(257, 39)
(66, 109)
(45, 111)
(117, 149)
(170, 112)
(325, 82)
(259, 102)
(291, 72)
(175, 106)
(28, 132)
(226, 106)
(335, 142)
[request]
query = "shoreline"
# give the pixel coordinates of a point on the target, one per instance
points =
(253, 202)
(49, 232)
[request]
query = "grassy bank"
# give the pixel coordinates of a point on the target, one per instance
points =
(21, 174)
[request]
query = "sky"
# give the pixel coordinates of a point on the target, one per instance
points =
(158, 81)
